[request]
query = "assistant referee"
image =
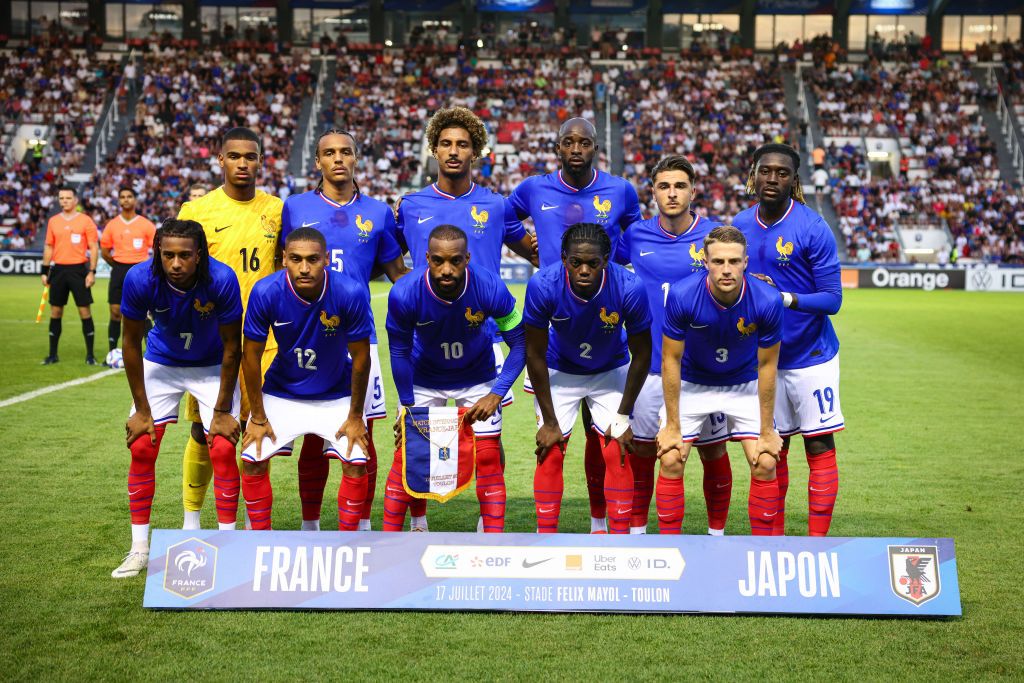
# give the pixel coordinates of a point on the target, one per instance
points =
(126, 240)
(69, 266)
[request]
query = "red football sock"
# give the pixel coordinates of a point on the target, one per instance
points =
(142, 476)
(417, 506)
(490, 484)
(314, 468)
(762, 506)
(717, 490)
(396, 499)
(618, 488)
(670, 501)
(781, 476)
(593, 465)
(351, 496)
(822, 489)
(547, 490)
(371, 473)
(225, 479)
(643, 488)
(259, 499)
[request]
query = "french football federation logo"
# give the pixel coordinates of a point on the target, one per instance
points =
(914, 572)
(474, 319)
(204, 309)
(190, 568)
(269, 231)
(330, 323)
(364, 227)
(479, 219)
(785, 250)
(610, 320)
(603, 208)
(745, 329)
(697, 256)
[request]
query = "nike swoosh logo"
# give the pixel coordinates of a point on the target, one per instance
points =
(277, 324)
(771, 515)
(420, 221)
(544, 512)
(620, 511)
(720, 486)
(219, 229)
(395, 490)
(548, 207)
(196, 486)
(527, 565)
(645, 253)
(354, 503)
(716, 431)
(232, 495)
(558, 320)
(491, 493)
(309, 225)
(161, 310)
(420, 324)
(826, 419)
(697, 327)
(132, 493)
(818, 490)
(375, 406)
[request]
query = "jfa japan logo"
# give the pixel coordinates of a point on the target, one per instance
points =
(914, 572)
(191, 568)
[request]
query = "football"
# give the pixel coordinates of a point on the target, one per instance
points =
(115, 359)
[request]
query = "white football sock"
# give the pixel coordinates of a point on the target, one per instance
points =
(140, 537)
(364, 525)
(598, 524)
(310, 525)
(225, 526)
(638, 530)
(418, 522)
(191, 519)
(716, 532)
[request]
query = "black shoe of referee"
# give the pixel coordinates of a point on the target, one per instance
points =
(91, 360)
(50, 360)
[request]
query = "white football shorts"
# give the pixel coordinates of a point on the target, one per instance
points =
(165, 385)
(648, 412)
(291, 419)
(375, 405)
(807, 400)
(463, 397)
(602, 392)
(499, 361)
(737, 403)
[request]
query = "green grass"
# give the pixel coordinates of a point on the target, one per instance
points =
(931, 395)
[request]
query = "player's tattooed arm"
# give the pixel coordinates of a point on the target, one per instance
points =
(670, 437)
(549, 432)
(224, 423)
(258, 426)
(141, 422)
(769, 440)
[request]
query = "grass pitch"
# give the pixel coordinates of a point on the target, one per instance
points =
(931, 395)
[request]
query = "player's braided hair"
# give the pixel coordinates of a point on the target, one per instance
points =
(797, 191)
(187, 230)
(673, 162)
(586, 233)
(457, 117)
(448, 233)
(316, 153)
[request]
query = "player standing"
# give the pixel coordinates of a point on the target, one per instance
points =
(441, 350)
(664, 250)
(795, 250)
(194, 346)
(67, 268)
(360, 236)
(720, 355)
(126, 240)
(242, 226)
(599, 322)
(320, 318)
(577, 193)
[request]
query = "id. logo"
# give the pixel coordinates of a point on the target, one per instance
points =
(914, 572)
(191, 568)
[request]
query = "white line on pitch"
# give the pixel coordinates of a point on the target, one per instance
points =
(21, 398)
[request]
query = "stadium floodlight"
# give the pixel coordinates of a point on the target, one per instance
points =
(36, 142)
(388, 43)
(479, 42)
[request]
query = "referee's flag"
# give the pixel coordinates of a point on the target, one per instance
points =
(438, 452)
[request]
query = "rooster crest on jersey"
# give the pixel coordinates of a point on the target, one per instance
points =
(697, 256)
(330, 323)
(204, 309)
(604, 208)
(267, 227)
(610, 320)
(785, 250)
(479, 219)
(745, 329)
(364, 227)
(474, 319)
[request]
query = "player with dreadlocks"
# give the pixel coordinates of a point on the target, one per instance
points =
(791, 247)
(194, 346)
(360, 235)
(588, 339)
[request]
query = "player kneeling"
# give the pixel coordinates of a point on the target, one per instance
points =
(588, 304)
(311, 387)
(194, 346)
(720, 353)
(441, 350)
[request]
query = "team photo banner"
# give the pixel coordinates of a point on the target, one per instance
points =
(903, 577)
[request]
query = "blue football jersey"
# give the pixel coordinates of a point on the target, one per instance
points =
(662, 259)
(186, 325)
(587, 336)
(798, 252)
(554, 205)
(451, 347)
(721, 343)
(359, 234)
(312, 362)
(486, 217)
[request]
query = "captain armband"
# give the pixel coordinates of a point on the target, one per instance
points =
(509, 321)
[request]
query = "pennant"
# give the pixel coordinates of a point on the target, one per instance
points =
(438, 452)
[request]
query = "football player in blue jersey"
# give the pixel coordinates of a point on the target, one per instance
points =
(457, 138)
(194, 346)
(317, 382)
(361, 241)
(588, 335)
(793, 248)
(441, 351)
(576, 193)
(720, 351)
(665, 249)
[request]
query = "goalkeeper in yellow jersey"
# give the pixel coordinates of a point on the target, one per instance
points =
(242, 226)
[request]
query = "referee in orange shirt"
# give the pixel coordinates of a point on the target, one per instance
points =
(126, 240)
(68, 268)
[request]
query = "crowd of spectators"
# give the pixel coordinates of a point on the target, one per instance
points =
(28, 197)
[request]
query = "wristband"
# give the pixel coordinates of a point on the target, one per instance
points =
(218, 410)
(46, 270)
(92, 272)
(787, 300)
(259, 424)
(619, 425)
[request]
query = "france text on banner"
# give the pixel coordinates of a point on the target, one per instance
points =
(911, 577)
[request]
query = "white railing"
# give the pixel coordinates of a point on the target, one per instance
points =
(312, 127)
(105, 130)
(608, 128)
(1009, 132)
(805, 108)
